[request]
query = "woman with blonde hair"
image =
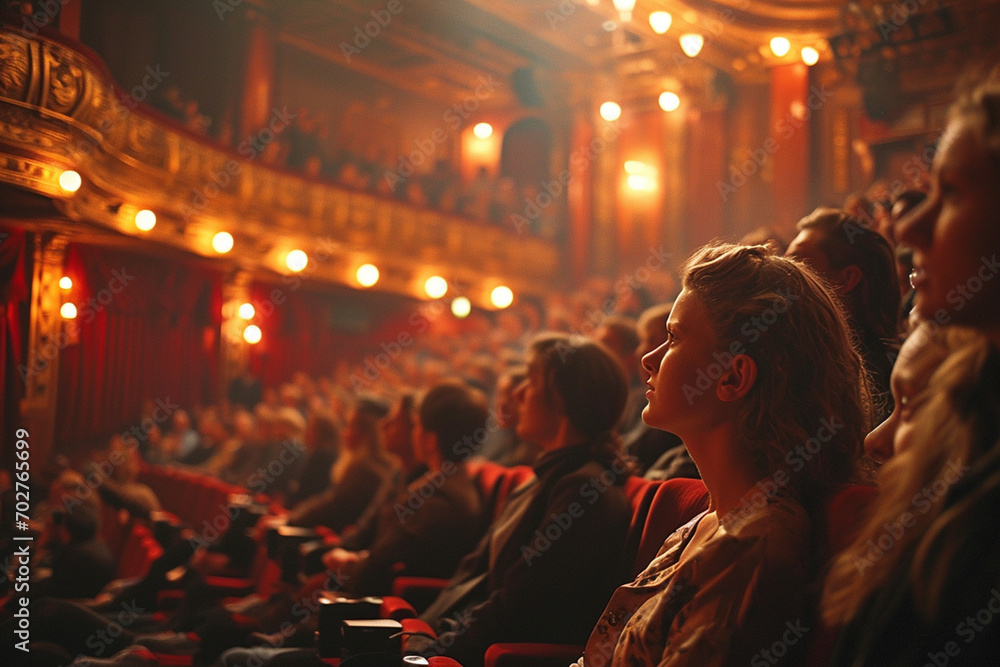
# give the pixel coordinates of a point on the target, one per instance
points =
(774, 428)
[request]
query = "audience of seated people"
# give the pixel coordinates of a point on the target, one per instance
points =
(775, 433)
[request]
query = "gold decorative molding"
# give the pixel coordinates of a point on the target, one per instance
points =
(60, 110)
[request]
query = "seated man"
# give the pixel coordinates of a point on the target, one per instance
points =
(438, 518)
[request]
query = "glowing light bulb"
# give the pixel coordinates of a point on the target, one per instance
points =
(461, 307)
(669, 101)
(252, 334)
(810, 56)
(780, 46)
(145, 220)
(247, 311)
(68, 311)
(222, 242)
(692, 43)
(482, 130)
(367, 275)
(65, 283)
(70, 181)
(436, 287)
(502, 296)
(296, 260)
(660, 22)
(610, 111)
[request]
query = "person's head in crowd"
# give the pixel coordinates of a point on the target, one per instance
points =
(955, 233)
(922, 352)
(123, 454)
(859, 264)
(942, 481)
(505, 400)
(266, 423)
(361, 432)
(619, 335)
(574, 394)
(211, 428)
(289, 424)
(450, 416)
(397, 430)
(652, 328)
(75, 508)
(180, 422)
(765, 381)
(322, 432)
(244, 426)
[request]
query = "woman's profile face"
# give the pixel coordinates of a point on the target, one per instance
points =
(918, 358)
(537, 418)
(683, 371)
(955, 234)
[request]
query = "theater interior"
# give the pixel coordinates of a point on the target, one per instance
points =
(356, 196)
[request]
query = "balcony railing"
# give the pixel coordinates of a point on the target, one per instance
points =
(60, 109)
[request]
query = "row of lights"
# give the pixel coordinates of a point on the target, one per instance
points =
(367, 275)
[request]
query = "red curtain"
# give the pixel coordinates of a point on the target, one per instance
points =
(15, 306)
(148, 328)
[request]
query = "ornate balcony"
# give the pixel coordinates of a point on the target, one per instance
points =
(60, 110)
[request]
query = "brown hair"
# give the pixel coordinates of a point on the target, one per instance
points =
(956, 425)
(808, 370)
(590, 385)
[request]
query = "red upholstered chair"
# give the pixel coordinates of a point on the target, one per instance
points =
(659, 508)
(495, 483)
(845, 513)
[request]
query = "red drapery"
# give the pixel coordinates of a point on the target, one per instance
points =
(15, 287)
(147, 328)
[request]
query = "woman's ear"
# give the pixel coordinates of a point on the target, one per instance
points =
(738, 379)
(849, 278)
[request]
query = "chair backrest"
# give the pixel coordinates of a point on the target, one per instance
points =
(676, 502)
(495, 482)
(139, 551)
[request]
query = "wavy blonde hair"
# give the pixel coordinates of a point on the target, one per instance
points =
(956, 425)
(808, 367)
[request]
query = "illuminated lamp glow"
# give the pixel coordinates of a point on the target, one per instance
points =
(296, 260)
(222, 242)
(780, 46)
(502, 296)
(247, 311)
(461, 307)
(145, 220)
(68, 311)
(669, 101)
(482, 130)
(660, 22)
(692, 43)
(367, 275)
(436, 287)
(610, 111)
(252, 334)
(70, 181)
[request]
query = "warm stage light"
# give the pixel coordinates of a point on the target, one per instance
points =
(502, 296)
(624, 8)
(660, 22)
(252, 334)
(68, 311)
(669, 101)
(780, 46)
(222, 242)
(247, 311)
(145, 220)
(70, 181)
(610, 111)
(436, 287)
(482, 130)
(634, 167)
(367, 275)
(640, 183)
(296, 260)
(810, 56)
(65, 283)
(461, 307)
(691, 44)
